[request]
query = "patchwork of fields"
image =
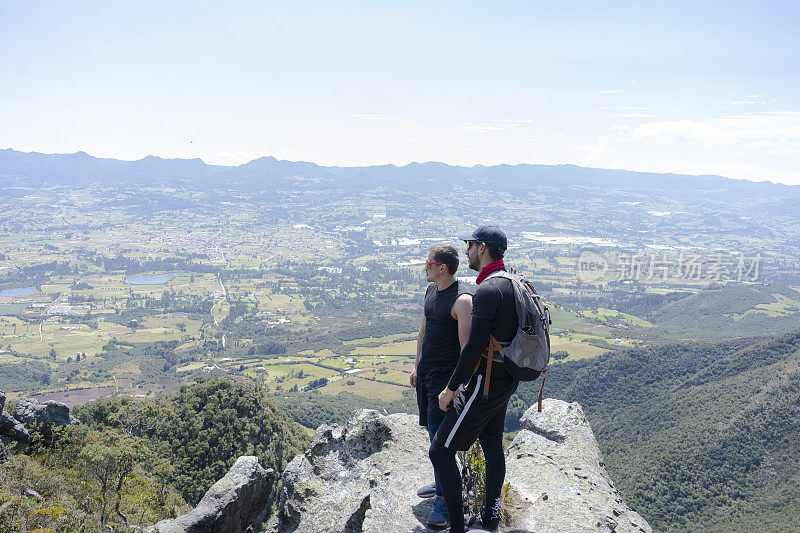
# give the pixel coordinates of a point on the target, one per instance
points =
(324, 295)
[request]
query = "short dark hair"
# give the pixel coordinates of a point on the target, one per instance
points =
(494, 253)
(444, 253)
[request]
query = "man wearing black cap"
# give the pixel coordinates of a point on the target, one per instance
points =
(470, 416)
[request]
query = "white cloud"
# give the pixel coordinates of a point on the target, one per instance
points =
(497, 125)
(381, 118)
(755, 146)
(753, 99)
(633, 115)
(480, 128)
(609, 91)
(367, 117)
(764, 131)
(517, 122)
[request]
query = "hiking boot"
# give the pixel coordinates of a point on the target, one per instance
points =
(479, 521)
(426, 491)
(438, 517)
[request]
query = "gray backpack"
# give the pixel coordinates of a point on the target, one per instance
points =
(529, 350)
(528, 353)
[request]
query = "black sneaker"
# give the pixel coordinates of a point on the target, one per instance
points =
(450, 530)
(479, 522)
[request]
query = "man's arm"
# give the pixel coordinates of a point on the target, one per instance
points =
(479, 332)
(462, 312)
(421, 335)
(485, 302)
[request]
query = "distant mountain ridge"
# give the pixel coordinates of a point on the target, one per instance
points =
(82, 169)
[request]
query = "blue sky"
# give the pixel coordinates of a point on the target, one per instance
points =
(694, 87)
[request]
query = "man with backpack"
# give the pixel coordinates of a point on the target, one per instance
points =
(477, 394)
(442, 335)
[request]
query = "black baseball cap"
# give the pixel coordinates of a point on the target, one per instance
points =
(491, 235)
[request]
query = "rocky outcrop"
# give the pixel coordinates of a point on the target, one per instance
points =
(10, 427)
(45, 416)
(364, 477)
(558, 479)
(41, 416)
(231, 505)
(361, 477)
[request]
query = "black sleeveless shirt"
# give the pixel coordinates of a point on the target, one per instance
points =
(440, 346)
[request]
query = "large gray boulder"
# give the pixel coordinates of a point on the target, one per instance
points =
(10, 427)
(45, 416)
(231, 505)
(364, 477)
(558, 479)
(360, 477)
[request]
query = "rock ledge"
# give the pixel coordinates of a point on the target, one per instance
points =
(364, 477)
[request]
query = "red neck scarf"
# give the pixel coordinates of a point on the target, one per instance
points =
(488, 269)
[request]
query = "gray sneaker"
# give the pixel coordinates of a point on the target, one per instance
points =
(426, 491)
(438, 517)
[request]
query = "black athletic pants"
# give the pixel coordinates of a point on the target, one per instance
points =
(468, 419)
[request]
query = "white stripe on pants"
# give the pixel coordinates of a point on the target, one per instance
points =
(463, 413)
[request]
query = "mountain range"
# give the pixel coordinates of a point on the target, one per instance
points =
(28, 168)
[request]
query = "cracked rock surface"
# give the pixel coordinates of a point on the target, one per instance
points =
(360, 477)
(364, 477)
(558, 479)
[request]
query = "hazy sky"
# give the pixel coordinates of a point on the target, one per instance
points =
(683, 86)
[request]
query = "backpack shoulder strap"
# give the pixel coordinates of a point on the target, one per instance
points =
(494, 346)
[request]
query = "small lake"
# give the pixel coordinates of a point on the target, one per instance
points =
(7, 293)
(155, 279)
(12, 309)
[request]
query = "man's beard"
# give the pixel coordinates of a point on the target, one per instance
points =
(474, 264)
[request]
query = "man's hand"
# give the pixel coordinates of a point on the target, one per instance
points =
(413, 379)
(446, 398)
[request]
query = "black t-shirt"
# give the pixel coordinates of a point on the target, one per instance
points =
(440, 345)
(494, 312)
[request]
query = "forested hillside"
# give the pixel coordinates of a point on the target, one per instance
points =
(203, 428)
(140, 461)
(700, 437)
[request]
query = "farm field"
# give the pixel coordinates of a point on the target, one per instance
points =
(314, 287)
(575, 348)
